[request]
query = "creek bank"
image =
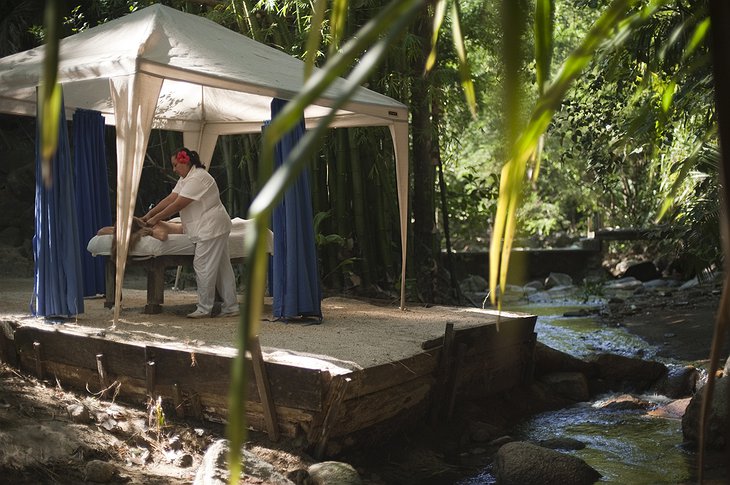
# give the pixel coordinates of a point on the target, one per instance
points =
(446, 453)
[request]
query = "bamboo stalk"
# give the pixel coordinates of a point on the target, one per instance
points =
(358, 206)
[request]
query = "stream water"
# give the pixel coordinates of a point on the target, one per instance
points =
(625, 446)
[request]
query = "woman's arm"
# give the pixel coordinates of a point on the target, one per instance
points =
(171, 209)
(161, 206)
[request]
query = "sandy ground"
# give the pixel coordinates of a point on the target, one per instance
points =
(353, 334)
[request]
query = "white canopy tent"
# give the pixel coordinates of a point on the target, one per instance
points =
(165, 69)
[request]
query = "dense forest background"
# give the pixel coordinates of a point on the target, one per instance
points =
(634, 138)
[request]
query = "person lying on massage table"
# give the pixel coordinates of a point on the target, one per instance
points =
(139, 229)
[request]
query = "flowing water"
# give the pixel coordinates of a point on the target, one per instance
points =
(625, 446)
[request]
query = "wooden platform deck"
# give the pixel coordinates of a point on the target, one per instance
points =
(363, 374)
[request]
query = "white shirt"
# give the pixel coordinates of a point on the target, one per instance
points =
(206, 217)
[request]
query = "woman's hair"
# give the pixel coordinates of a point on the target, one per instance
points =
(139, 230)
(185, 155)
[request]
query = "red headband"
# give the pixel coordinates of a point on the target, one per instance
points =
(182, 157)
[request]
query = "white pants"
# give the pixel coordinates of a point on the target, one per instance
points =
(213, 269)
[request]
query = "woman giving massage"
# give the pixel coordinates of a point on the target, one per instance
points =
(207, 224)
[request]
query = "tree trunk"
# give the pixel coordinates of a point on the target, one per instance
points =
(425, 244)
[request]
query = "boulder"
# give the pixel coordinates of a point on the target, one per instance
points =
(548, 360)
(214, 469)
(558, 279)
(571, 385)
(629, 283)
(717, 423)
(535, 284)
(678, 382)
(562, 443)
(673, 409)
(625, 402)
(98, 471)
(521, 463)
(642, 271)
(473, 284)
(481, 432)
(627, 373)
(333, 473)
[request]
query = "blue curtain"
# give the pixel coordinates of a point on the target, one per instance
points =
(92, 193)
(294, 276)
(57, 287)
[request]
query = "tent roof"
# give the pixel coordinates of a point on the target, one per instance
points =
(162, 68)
(212, 75)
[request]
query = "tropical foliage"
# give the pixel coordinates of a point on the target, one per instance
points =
(611, 104)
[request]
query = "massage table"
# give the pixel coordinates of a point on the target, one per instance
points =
(155, 256)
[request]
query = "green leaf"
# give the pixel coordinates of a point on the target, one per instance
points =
(668, 95)
(544, 23)
(464, 70)
(438, 19)
(697, 37)
(338, 19)
(373, 39)
(50, 91)
(613, 21)
(315, 36)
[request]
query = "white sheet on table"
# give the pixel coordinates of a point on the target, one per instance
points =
(177, 244)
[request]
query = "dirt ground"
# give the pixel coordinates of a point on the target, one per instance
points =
(680, 324)
(41, 443)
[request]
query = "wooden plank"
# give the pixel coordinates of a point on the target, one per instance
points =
(262, 383)
(391, 374)
(206, 372)
(333, 411)
(101, 370)
(212, 407)
(366, 411)
(627, 234)
(442, 374)
(203, 372)
(456, 372)
(517, 355)
(487, 336)
(122, 358)
(37, 354)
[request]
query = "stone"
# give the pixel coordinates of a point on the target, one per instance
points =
(480, 432)
(571, 385)
(629, 283)
(694, 282)
(520, 463)
(502, 440)
(558, 279)
(78, 413)
(625, 402)
(717, 422)
(562, 443)
(548, 360)
(678, 382)
(673, 409)
(536, 285)
(473, 284)
(98, 471)
(333, 473)
(628, 373)
(642, 271)
(184, 461)
(214, 468)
